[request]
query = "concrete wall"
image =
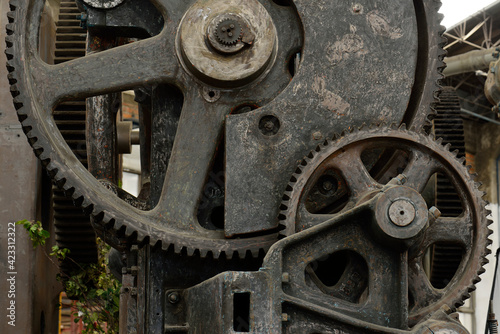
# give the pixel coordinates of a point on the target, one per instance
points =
(22, 197)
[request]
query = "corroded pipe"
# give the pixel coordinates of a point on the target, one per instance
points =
(469, 62)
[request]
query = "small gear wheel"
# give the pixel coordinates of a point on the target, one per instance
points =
(228, 31)
(336, 177)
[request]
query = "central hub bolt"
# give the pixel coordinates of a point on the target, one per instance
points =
(229, 33)
(327, 185)
(402, 212)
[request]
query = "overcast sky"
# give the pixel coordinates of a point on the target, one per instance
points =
(456, 10)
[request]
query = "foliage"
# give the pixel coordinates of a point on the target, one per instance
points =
(36, 232)
(96, 291)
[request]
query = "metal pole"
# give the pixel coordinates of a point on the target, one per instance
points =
(469, 62)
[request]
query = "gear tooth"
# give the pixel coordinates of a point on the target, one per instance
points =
(239, 254)
(441, 66)
(190, 251)
(447, 146)
(455, 152)
(129, 231)
(117, 225)
(86, 203)
(10, 28)
(217, 253)
(461, 160)
(203, 253)
(178, 248)
(12, 79)
(440, 16)
(11, 69)
(9, 41)
(460, 303)
(255, 253)
(439, 140)
(402, 127)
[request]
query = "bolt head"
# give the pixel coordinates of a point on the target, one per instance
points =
(285, 277)
(434, 212)
(269, 125)
(174, 297)
(401, 179)
(327, 185)
(317, 135)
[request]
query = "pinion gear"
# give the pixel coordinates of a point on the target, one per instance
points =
(228, 31)
(344, 154)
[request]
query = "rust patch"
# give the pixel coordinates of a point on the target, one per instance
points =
(330, 100)
(350, 44)
(381, 26)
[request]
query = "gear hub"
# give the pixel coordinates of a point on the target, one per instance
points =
(217, 42)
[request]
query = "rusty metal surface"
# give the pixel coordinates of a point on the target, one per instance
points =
(225, 122)
(357, 76)
(310, 99)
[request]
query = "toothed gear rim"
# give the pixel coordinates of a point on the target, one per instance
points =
(427, 156)
(114, 219)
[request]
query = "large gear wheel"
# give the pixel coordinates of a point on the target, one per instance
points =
(156, 61)
(340, 161)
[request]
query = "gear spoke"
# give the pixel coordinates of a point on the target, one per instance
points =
(309, 219)
(173, 10)
(450, 230)
(353, 170)
(397, 275)
(419, 170)
(420, 287)
(146, 61)
(191, 158)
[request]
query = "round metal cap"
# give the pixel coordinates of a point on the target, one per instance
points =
(222, 56)
(402, 212)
